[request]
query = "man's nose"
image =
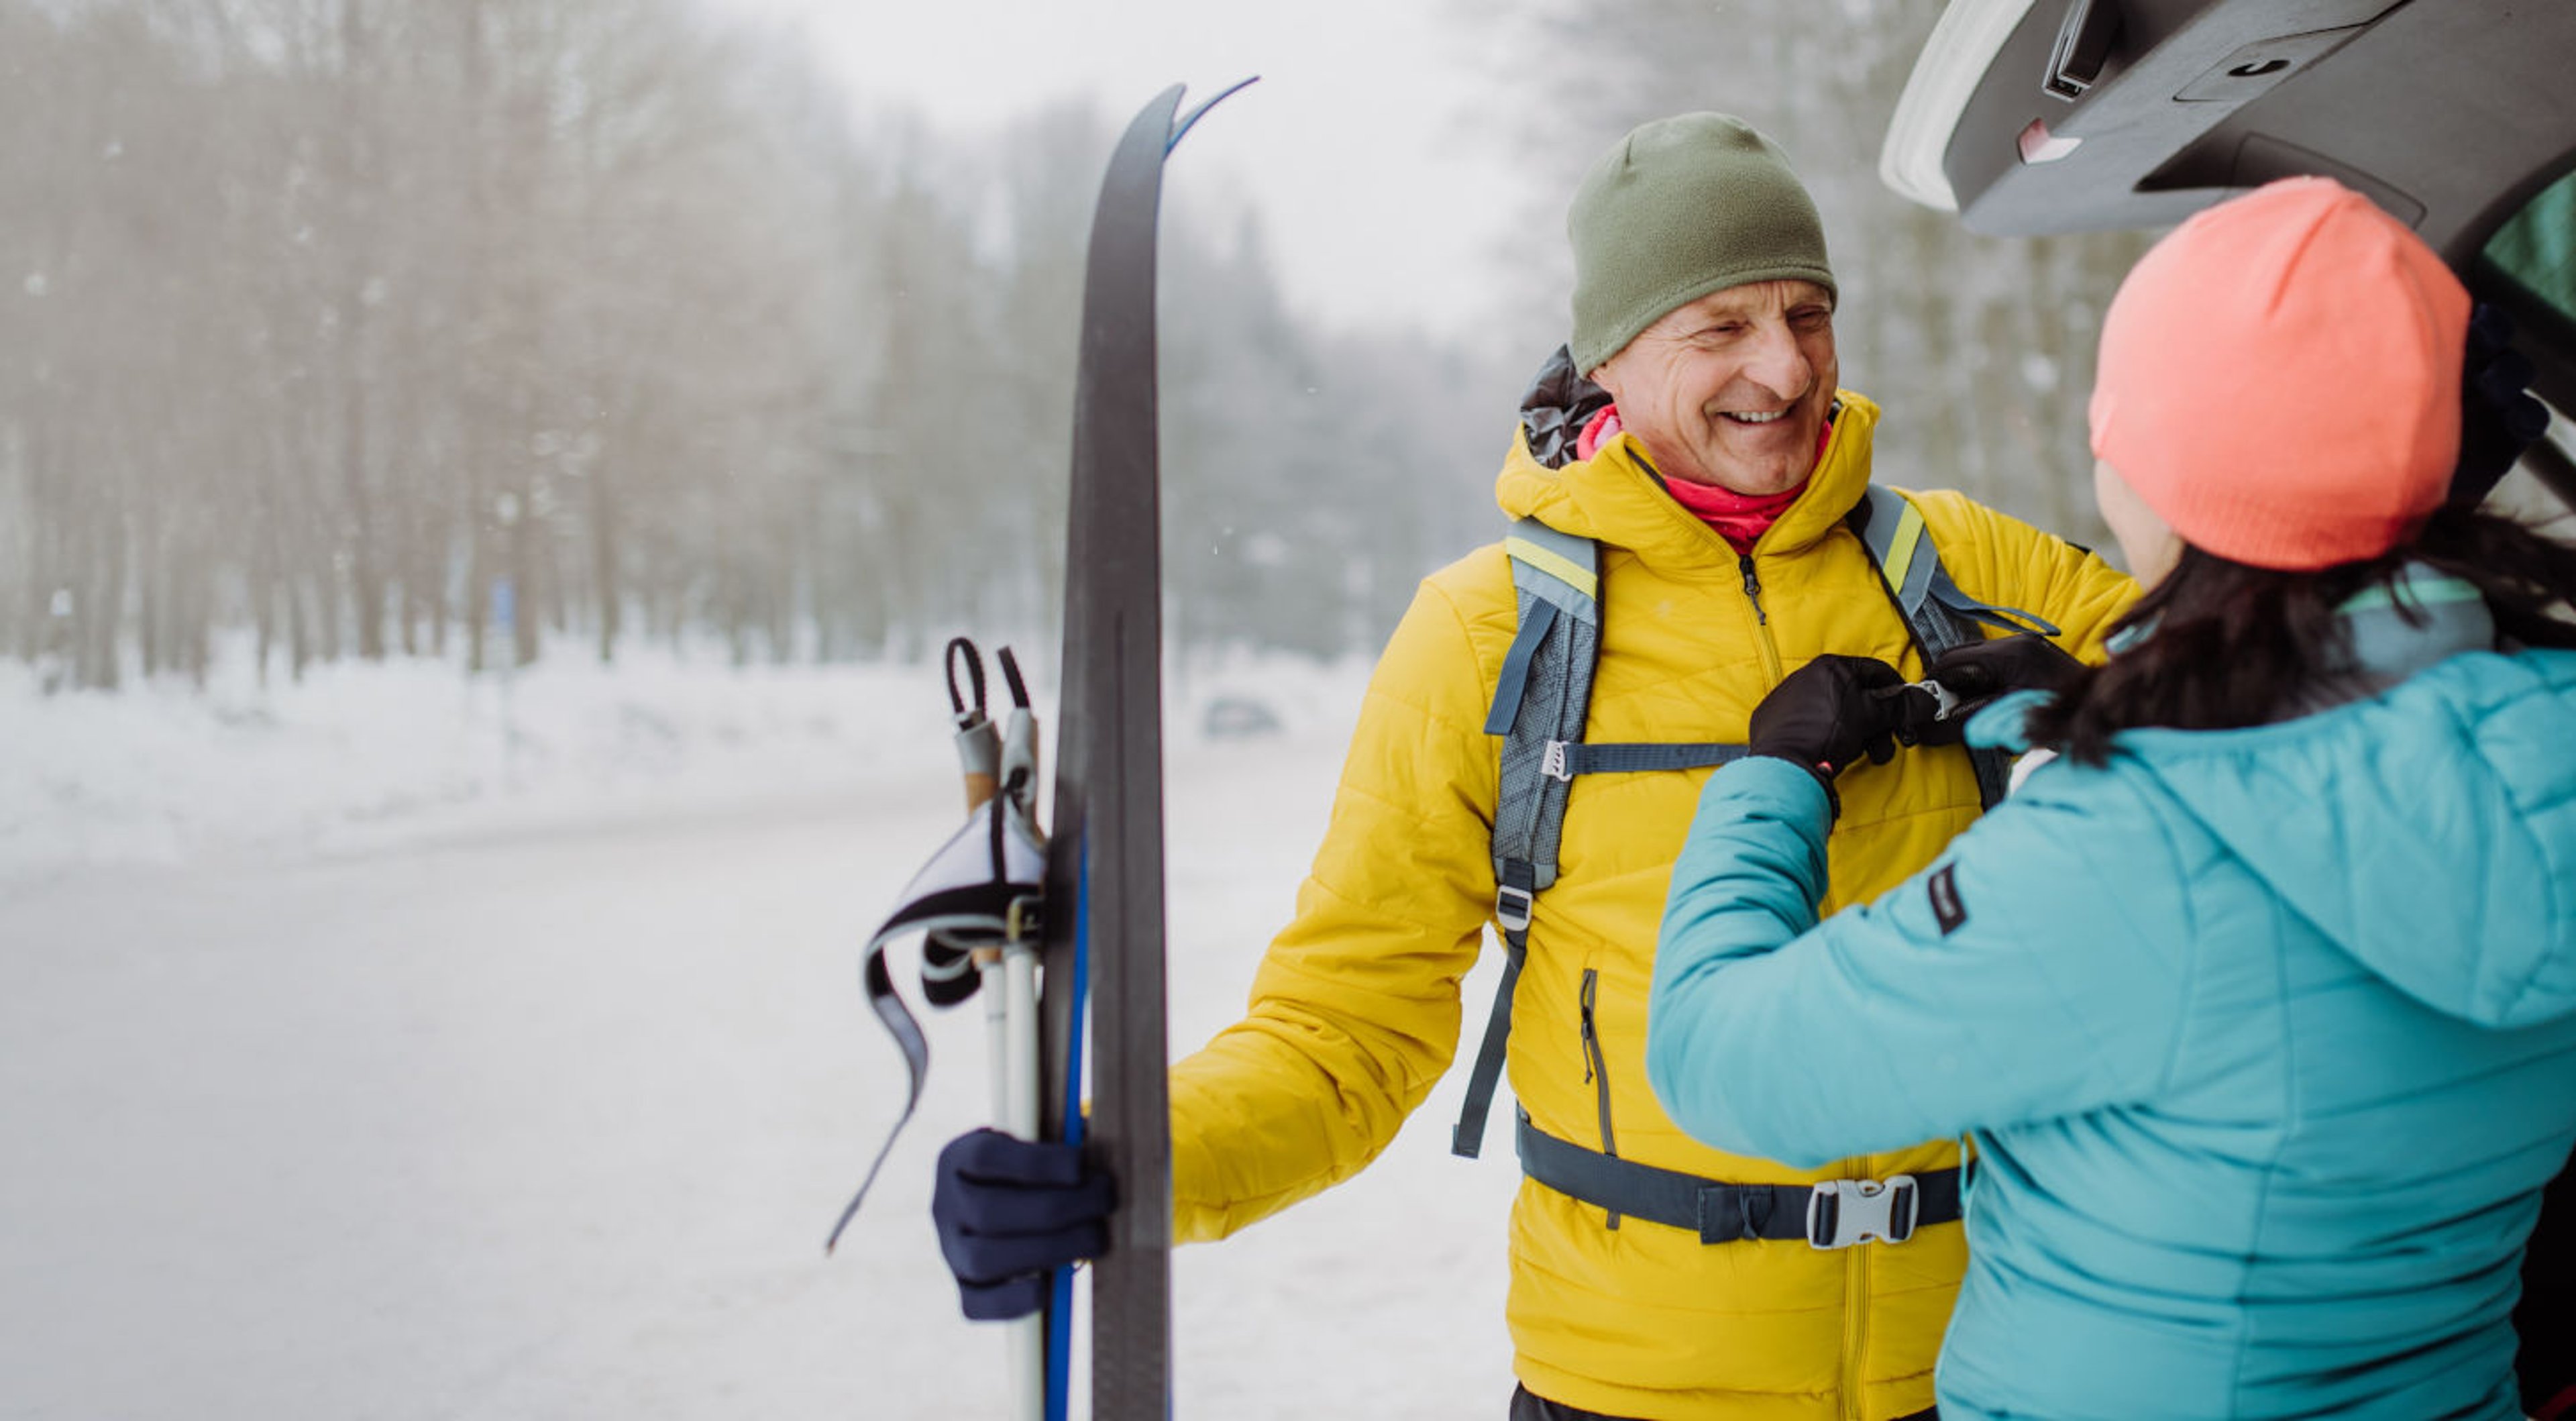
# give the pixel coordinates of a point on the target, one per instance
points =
(1777, 363)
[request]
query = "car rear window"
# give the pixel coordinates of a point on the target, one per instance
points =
(2536, 248)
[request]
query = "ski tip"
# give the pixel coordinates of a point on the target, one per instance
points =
(1181, 128)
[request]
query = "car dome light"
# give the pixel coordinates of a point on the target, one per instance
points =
(2038, 145)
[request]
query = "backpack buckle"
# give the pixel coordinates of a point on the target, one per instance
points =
(1553, 763)
(1843, 1212)
(1512, 908)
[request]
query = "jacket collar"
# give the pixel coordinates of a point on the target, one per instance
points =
(1617, 497)
(2424, 617)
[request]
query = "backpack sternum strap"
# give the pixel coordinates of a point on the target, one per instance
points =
(1567, 758)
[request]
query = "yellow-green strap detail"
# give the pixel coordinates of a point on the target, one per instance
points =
(1901, 546)
(1580, 578)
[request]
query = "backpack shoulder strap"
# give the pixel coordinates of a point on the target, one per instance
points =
(1900, 543)
(1540, 699)
(1937, 614)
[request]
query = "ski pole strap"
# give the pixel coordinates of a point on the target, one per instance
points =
(983, 888)
(1836, 1213)
(899, 1023)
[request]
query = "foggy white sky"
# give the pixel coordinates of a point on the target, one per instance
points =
(1383, 192)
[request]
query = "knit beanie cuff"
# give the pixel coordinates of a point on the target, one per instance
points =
(1683, 207)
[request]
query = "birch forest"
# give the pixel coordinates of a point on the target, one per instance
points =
(505, 329)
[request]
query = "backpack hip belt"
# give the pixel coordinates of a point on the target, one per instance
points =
(1836, 1213)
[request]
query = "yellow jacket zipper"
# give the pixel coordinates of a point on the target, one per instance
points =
(1761, 619)
(1856, 1321)
(1597, 1071)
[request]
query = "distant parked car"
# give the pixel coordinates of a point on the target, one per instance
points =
(1239, 718)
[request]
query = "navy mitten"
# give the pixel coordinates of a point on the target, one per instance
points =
(1010, 1212)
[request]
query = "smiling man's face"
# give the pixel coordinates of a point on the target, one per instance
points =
(1733, 388)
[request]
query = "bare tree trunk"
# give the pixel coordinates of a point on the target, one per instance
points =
(604, 566)
(98, 621)
(148, 573)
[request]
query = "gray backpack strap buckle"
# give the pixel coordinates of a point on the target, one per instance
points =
(1844, 1212)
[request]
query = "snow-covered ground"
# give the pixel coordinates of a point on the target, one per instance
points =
(398, 1046)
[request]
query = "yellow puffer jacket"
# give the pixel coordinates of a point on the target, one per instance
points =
(1356, 1008)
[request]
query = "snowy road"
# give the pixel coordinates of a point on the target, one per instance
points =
(552, 1126)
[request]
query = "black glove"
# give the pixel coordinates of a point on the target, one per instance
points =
(2498, 417)
(1973, 675)
(1009, 1212)
(1918, 718)
(1980, 671)
(1827, 714)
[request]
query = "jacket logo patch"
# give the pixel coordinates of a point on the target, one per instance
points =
(1947, 910)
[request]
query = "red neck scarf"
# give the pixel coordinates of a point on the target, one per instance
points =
(1740, 518)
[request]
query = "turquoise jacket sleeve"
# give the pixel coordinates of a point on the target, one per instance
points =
(2037, 970)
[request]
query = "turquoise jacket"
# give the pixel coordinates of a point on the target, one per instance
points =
(2266, 1038)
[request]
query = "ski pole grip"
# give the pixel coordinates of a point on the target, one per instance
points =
(979, 758)
(979, 744)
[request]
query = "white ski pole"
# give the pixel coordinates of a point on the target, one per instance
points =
(1011, 1026)
(1010, 987)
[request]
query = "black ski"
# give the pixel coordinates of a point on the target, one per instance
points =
(1104, 877)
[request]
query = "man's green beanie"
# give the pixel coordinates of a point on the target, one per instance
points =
(1682, 207)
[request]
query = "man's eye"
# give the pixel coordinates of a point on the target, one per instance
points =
(1811, 318)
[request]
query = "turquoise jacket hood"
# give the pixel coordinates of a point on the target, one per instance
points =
(2430, 832)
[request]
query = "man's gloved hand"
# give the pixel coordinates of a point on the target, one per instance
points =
(1827, 714)
(1009, 1212)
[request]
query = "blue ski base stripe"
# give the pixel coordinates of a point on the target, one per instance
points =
(1059, 1343)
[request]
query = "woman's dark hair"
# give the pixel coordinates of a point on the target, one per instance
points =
(2237, 645)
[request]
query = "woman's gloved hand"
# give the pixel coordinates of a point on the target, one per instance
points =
(1980, 671)
(1011, 1211)
(1827, 714)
